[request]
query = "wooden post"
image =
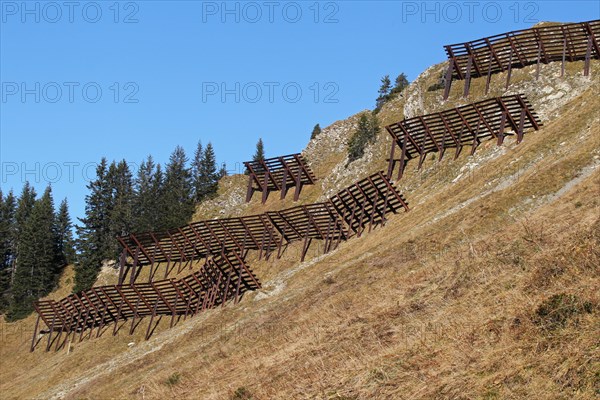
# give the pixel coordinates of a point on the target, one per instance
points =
(468, 77)
(35, 331)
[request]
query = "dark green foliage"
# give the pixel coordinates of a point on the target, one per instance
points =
(120, 212)
(242, 393)
(400, 84)
(558, 309)
(196, 172)
(7, 246)
(259, 155)
(39, 261)
(177, 201)
(173, 379)
(368, 127)
(94, 242)
(147, 189)
(66, 244)
(315, 132)
(205, 174)
(384, 92)
(440, 84)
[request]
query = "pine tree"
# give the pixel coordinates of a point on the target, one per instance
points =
(177, 200)
(401, 83)
(209, 178)
(147, 190)
(7, 245)
(366, 132)
(316, 132)
(384, 92)
(94, 241)
(24, 209)
(120, 211)
(65, 234)
(259, 155)
(197, 172)
(39, 262)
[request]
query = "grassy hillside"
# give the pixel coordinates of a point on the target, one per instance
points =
(488, 288)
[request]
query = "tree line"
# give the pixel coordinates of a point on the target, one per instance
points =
(155, 199)
(36, 242)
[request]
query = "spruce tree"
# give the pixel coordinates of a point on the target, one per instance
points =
(209, 178)
(366, 132)
(177, 200)
(24, 209)
(259, 155)
(120, 211)
(146, 192)
(65, 234)
(384, 92)
(401, 83)
(7, 246)
(94, 241)
(315, 132)
(197, 172)
(39, 262)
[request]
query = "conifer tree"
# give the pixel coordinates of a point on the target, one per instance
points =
(384, 92)
(400, 84)
(94, 241)
(315, 132)
(197, 172)
(7, 245)
(39, 262)
(65, 234)
(146, 192)
(366, 132)
(120, 210)
(177, 201)
(209, 178)
(259, 155)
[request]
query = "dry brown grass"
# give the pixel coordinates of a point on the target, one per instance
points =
(442, 302)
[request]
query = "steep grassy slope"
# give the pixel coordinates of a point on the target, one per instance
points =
(489, 288)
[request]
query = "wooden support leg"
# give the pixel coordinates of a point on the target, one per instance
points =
(501, 128)
(564, 55)
(305, 247)
(147, 336)
(284, 184)
(250, 190)
(50, 332)
(509, 69)
(588, 56)
(265, 187)
(122, 266)
(226, 289)
(402, 158)
(537, 67)
(35, 331)
(119, 310)
(391, 163)
(237, 288)
(298, 185)
(137, 304)
(448, 80)
(468, 76)
(489, 77)
(135, 265)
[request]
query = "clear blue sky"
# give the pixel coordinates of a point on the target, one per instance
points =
(162, 66)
